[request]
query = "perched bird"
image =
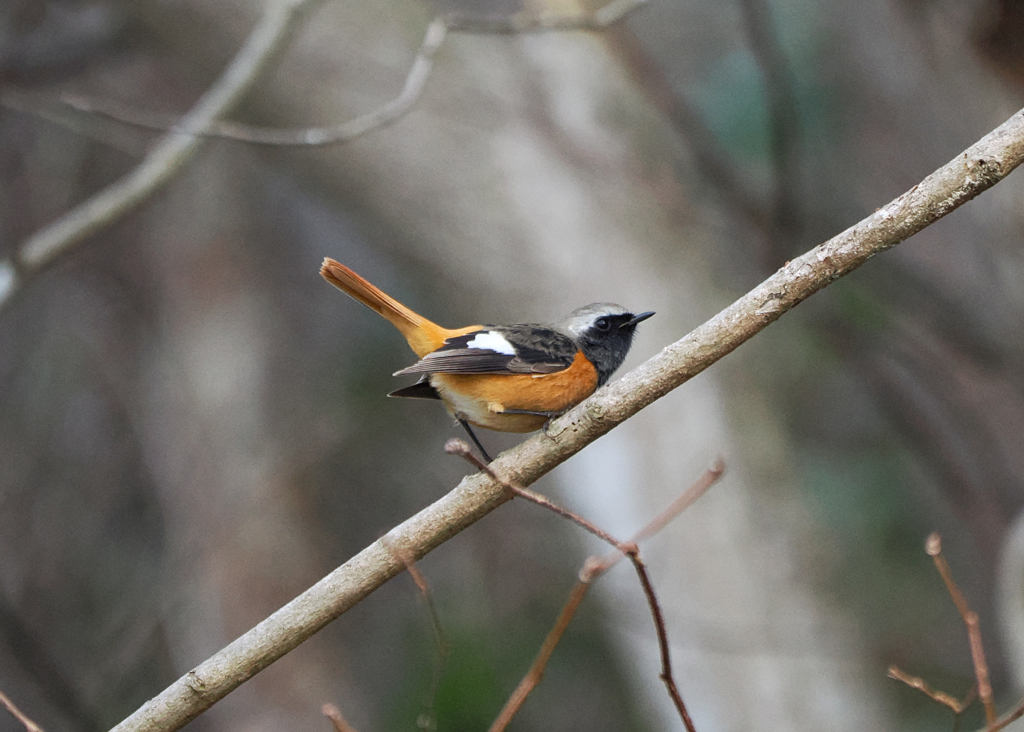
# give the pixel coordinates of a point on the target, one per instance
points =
(509, 378)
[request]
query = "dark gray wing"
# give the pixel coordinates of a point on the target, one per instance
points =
(420, 390)
(509, 349)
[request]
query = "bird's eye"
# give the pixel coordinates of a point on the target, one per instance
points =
(602, 324)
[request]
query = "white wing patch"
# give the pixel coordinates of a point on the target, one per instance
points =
(490, 340)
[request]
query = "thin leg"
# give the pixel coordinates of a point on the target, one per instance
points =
(472, 435)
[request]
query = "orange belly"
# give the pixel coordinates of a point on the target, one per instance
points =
(482, 399)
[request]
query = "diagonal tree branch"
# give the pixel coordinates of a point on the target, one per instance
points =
(975, 170)
(7, 704)
(162, 162)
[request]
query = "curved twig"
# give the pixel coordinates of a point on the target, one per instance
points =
(184, 135)
(163, 161)
(387, 114)
(379, 118)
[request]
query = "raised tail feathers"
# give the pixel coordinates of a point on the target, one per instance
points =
(423, 335)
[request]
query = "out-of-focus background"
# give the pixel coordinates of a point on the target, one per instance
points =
(193, 426)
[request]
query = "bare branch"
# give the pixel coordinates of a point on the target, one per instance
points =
(591, 571)
(594, 568)
(184, 135)
(334, 714)
(383, 116)
(460, 448)
(686, 499)
(659, 626)
(162, 162)
(55, 110)
(307, 136)
(708, 478)
(1009, 719)
(915, 682)
(975, 170)
(18, 714)
(426, 719)
(527, 22)
(440, 639)
(933, 547)
(536, 673)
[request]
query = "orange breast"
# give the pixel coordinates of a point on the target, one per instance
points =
(481, 399)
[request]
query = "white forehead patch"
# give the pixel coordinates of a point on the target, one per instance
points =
(490, 340)
(581, 320)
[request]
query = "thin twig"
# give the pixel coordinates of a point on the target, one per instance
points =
(914, 682)
(55, 110)
(415, 81)
(184, 135)
(685, 499)
(427, 719)
(528, 22)
(18, 714)
(593, 568)
(536, 673)
(162, 162)
(334, 714)
(970, 173)
(659, 625)
(699, 487)
(933, 547)
(385, 115)
(455, 446)
(1009, 719)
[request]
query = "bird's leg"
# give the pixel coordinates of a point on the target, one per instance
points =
(472, 436)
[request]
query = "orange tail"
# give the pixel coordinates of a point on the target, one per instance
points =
(423, 335)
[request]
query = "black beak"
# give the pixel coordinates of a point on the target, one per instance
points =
(637, 319)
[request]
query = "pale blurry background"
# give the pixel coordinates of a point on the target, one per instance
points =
(193, 426)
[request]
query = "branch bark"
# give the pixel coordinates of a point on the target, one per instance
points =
(975, 170)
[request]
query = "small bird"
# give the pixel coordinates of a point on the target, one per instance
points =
(509, 378)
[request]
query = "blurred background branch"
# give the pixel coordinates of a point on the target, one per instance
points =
(163, 161)
(183, 134)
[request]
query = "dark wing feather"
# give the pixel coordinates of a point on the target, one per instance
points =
(462, 361)
(539, 350)
(420, 390)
